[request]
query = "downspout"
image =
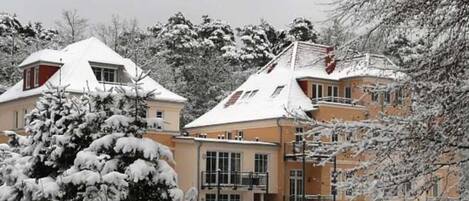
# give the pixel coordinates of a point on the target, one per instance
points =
(282, 156)
(198, 169)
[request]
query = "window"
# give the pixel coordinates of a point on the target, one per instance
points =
(246, 94)
(228, 135)
(296, 185)
(332, 91)
(260, 163)
(27, 78)
(159, 114)
(349, 191)
(210, 197)
(277, 91)
(25, 112)
(317, 91)
(387, 97)
(227, 162)
(299, 134)
(398, 97)
(235, 197)
(240, 135)
(105, 74)
(36, 76)
(348, 92)
(223, 197)
(16, 119)
(253, 93)
(374, 96)
(233, 98)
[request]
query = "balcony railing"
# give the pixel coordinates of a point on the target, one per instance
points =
(311, 198)
(313, 151)
(235, 180)
(336, 99)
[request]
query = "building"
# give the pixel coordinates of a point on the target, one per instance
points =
(87, 64)
(252, 133)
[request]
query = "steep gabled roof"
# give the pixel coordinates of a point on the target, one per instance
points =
(76, 72)
(297, 61)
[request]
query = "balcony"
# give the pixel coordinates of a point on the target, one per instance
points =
(311, 198)
(235, 180)
(337, 100)
(311, 151)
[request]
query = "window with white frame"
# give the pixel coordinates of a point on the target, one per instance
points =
(25, 112)
(27, 78)
(240, 135)
(332, 91)
(105, 74)
(223, 197)
(298, 134)
(160, 116)
(16, 119)
(316, 91)
(227, 162)
(260, 163)
(277, 91)
(36, 76)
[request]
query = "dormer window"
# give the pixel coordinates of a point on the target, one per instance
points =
(105, 74)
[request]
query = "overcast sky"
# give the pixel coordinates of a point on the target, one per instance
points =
(147, 12)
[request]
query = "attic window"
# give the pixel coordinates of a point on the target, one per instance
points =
(253, 93)
(271, 67)
(233, 98)
(246, 95)
(277, 91)
(105, 74)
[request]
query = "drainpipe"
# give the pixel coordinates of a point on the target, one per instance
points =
(198, 169)
(283, 154)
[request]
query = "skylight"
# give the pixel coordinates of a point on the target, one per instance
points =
(233, 98)
(277, 91)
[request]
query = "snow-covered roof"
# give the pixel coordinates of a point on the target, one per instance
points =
(214, 140)
(76, 72)
(297, 61)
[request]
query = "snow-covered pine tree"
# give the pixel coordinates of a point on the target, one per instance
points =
(17, 41)
(256, 48)
(429, 144)
(218, 38)
(301, 29)
(178, 40)
(122, 165)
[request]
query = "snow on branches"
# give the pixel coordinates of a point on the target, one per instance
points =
(88, 147)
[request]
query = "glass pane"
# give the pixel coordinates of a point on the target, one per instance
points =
(97, 73)
(314, 91)
(210, 197)
(319, 91)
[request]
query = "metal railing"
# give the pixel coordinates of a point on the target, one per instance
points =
(312, 151)
(336, 99)
(235, 179)
(311, 198)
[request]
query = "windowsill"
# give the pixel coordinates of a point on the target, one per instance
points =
(114, 83)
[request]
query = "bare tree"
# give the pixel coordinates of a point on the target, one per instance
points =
(110, 34)
(431, 140)
(72, 27)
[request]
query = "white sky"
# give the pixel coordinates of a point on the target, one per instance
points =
(148, 12)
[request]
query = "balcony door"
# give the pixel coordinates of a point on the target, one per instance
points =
(229, 165)
(296, 185)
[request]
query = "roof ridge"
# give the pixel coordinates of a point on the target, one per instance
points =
(292, 71)
(275, 58)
